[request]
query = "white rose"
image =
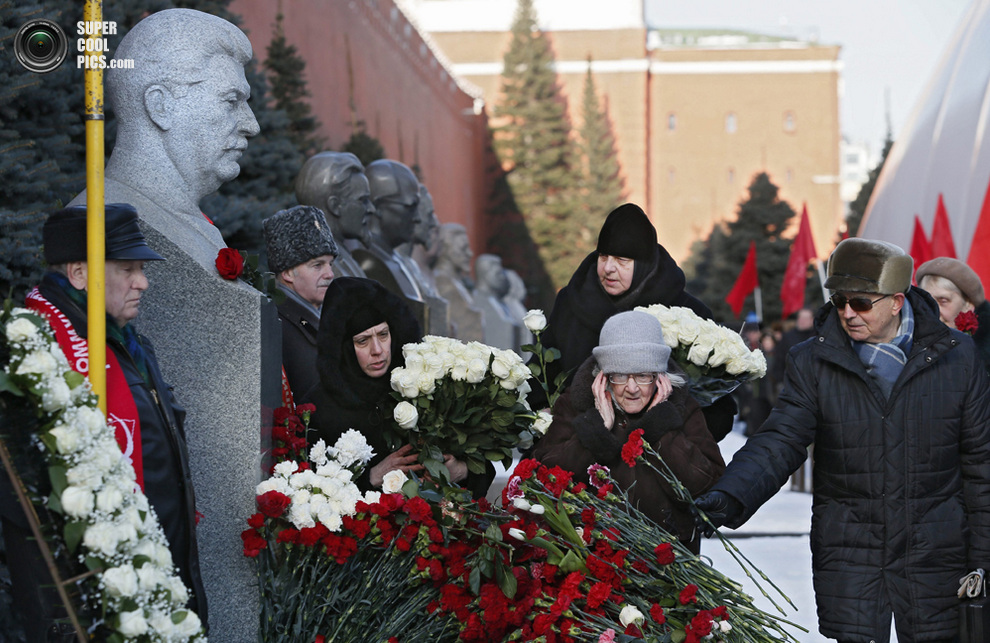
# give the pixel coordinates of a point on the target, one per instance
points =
(700, 350)
(414, 361)
(162, 556)
(180, 595)
(150, 576)
(724, 626)
(406, 383)
(629, 615)
(90, 419)
(77, 501)
(518, 534)
(161, 624)
(434, 365)
(476, 371)
(57, 396)
(539, 510)
(405, 415)
(38, 362)
(459, 372)
(101, 538)
(426, 383)
(535, 320)
(393, 481)
(521, 503)
(189, 626)
(542, 422)
(21, 330)
(66, 438)
(109, 499)
(501, 365)
(121, 581)
(132, 623)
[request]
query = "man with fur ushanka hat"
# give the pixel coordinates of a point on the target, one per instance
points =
(627, 269)
(301, 251)
(895, 403)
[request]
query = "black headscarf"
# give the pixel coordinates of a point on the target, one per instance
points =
(628, 232)
(352, 305)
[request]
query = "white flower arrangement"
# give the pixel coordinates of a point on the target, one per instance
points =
(326, 493)
(466, 399)
(715, 358)
(94, 487)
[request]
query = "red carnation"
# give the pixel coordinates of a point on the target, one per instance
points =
(967, 322)
(688, 595)
(273, 503)
(253, 543)
(665, 553)
(656, 613)
(230, 263)
(633, 448)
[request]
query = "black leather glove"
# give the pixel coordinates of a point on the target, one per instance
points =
(718, 507)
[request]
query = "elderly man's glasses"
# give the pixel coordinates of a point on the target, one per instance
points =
(858, 304)
(640, 378)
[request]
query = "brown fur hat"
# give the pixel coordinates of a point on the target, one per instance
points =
(868, 265)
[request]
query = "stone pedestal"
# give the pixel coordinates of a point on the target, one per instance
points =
(218, 343)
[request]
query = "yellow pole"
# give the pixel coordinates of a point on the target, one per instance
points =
(95, 226)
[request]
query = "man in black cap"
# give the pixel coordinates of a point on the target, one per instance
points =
(140, 406)
(301, 253)
(896, 405)
(627, 269)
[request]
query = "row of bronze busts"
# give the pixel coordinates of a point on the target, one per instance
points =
(387, 229)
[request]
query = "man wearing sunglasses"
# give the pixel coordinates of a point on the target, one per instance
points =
(896, 405)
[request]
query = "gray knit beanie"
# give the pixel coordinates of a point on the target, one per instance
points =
(295, 236)
(630, 343)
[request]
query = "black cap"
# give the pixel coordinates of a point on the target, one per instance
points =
(627, 232)
(64, 235)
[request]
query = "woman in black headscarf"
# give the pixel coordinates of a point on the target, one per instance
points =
(627, 269)
(363, 328)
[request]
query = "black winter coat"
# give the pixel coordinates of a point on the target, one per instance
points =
(582, 306)
(901, 507)
(300, 324)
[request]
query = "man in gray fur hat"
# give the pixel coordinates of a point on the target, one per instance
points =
(301, 252)
(895, 403)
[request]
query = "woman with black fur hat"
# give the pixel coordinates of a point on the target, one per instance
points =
(363, 328)
(627, 269)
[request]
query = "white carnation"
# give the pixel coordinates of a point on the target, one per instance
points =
(280, 485)
(352, 448)
(318, 452)
(300, 516)
(371, 497)
(286, 468)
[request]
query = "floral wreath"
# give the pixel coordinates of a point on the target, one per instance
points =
(133, 589)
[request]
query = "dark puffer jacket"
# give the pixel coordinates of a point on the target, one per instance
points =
(675, 428)
(901, 506)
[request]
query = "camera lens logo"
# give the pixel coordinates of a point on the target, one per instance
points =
(41, 46)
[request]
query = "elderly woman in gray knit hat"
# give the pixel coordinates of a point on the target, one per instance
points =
(626, 385)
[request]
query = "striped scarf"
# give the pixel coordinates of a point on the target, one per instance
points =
(884, 362)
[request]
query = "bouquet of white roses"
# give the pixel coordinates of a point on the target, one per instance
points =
(465, 399)
(103, 531)
(715, 358)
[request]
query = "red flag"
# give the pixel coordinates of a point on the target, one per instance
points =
(942, 245)
(979, 251)
(746, 282)
(921, 247)
(795, 276)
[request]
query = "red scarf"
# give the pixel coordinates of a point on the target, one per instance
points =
(122, 413)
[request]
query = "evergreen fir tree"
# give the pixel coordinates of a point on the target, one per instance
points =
(363, 145)
(602, 180)
(763, 217)
(285, 69)
(533, 141)
(858, 207)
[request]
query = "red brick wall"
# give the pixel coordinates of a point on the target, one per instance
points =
(365, 54)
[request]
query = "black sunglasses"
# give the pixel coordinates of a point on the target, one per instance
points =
(858, 304)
